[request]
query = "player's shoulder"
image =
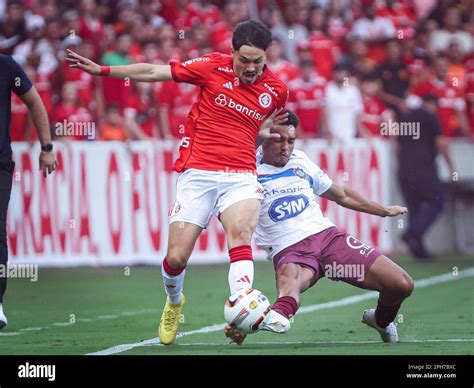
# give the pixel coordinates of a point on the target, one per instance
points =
(299, 157)
(220, 58)
(211, 58)
(274, 82)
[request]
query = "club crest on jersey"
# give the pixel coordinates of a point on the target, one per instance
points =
(174, 209)
(300, 173)
(265, 100)
(287, 207)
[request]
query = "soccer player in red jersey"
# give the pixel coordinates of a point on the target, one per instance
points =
(217, 153)
(452, 106)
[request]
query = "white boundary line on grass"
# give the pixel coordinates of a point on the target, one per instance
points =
(422, 283)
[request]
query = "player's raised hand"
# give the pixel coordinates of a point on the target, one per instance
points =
(277, 117)
(78, 61)
(396, 210)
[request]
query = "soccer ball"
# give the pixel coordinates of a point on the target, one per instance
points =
(245, 310)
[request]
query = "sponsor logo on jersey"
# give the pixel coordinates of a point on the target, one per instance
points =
(225, 69)
(223, 100)
(290, 190)
(271, 89)
(265, 100)
(228, 85)
(287, 207)
(200, 59)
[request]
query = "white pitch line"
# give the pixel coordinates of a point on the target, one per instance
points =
(422, 283)
(32, 329)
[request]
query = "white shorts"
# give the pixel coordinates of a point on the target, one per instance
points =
(201, 193)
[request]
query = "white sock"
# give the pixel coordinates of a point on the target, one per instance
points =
(240, 275)
(173, 285)
(1, 308)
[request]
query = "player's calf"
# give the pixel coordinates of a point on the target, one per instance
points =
(394, 285)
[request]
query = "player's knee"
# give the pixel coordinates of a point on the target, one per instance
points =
(176, 259)
(289, 272)
(405, 285)
(401, 286)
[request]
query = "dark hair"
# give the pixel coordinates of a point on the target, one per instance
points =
(251, 33)
(370, 76)
(342, 66)
(292, 119)
(430, 97)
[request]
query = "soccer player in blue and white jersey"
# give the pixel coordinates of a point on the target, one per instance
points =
(306, 246)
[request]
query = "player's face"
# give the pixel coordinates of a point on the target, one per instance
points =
(277, 152)
(248, 63)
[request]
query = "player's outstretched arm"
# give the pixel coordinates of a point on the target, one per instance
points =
(144, 72)
(352, 200)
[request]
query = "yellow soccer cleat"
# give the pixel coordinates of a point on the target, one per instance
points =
(169, 322)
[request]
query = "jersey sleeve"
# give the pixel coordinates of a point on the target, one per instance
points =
(195, 71)
(284, 99)
(321, 181)
(20, 83)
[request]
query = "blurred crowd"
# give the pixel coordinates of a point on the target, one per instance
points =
(350, 64)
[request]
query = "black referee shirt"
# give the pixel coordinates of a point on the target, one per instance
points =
(12, 78)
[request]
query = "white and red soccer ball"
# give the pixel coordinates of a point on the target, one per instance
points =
(246, 309)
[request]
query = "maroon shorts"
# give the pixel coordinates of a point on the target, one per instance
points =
(332, 254)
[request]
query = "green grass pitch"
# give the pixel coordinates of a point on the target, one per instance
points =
(78, 311)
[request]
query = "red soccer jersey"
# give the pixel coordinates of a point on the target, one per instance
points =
(284, 70)
(306, 100)
(324, 50)
(145, 113)
(450, 99)
(470, 99)
(85, 83)
(223, 124)
(372, 116)
(179, 98)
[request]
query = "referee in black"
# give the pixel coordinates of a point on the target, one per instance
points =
(13, 78)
